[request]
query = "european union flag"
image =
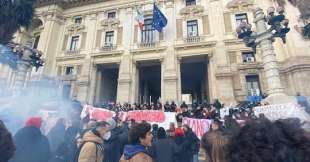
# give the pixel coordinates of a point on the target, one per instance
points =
(159, 19)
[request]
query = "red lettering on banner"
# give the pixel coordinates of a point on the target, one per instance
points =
(146, 115)
(199, 126)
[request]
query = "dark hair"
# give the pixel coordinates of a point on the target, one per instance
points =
(7, 147)
(263, 141)
(138, 131)
(161, 134)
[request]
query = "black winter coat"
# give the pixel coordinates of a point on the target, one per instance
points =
(165, 150)
(112, 147)
(31, 146)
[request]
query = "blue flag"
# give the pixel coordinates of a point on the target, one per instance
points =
(159, 19)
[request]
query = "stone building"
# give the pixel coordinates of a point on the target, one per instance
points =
(99, 53)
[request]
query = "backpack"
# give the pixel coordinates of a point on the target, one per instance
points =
(98, 147)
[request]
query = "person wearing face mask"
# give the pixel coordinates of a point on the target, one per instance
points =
(91, 150)
(140, 138)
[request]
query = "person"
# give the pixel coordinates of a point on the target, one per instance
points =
(140, 138)
(31, 144)
(56, 134)
(167, 107)
(285, 141)
(217, 105)
(180, 154)
(231, 126)
(184, 105)
(164, 148)
(173, 106)
(193, 147)
(214, 144)
(7, 147)
(154, 131)
(91, 150)
(67, 149)
(113, 145)
(303, 101)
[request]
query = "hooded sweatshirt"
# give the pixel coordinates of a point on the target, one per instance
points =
(135, 153)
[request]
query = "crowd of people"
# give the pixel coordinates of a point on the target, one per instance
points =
(113, 140)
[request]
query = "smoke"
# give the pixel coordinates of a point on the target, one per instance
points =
(40, 98)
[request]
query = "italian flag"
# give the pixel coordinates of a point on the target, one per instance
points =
(140, 18)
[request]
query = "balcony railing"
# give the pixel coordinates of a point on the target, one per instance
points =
(108, 47)
(194, 39)
(147, 44)
(72, 52)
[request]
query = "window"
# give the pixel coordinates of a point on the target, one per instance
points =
(78, 20)
(148, 32)
(36, 42)
(248, 57)
(252, 85)
(241, 18)
(69, 70)
(109, 37)
(192, 28)
(74, 43)
(111, 15)
(190, 2)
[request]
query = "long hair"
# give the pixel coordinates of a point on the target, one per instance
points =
(215, 144)
(261, 141)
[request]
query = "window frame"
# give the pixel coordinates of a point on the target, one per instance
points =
(78, 20)
(192, 26)
(239, 18)
(190, 2)
(75, 39)
(245, 56)
(148, 34)
(113, 13)
(250, 80)
(36, 41)
(112, 36)
(69, 70)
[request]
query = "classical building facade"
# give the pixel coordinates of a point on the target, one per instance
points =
(100, 54)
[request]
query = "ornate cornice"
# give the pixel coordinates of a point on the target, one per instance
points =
(67, 3)
(72, 57)
(75, 28)
(240, 5)
(192, 11)
(109, 24)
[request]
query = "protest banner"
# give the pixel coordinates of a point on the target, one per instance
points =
(199, 126)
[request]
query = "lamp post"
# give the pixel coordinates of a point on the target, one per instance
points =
(264, 37)
(20, 58)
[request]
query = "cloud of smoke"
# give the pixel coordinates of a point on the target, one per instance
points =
(40, 98)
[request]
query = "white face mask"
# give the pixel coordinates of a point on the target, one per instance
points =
(107, 136)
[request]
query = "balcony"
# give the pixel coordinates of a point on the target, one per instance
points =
(72, 52)
(148, 44)
(68, 77)
(194, 39)
(108, 47)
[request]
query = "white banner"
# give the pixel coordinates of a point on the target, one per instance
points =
(282, 111)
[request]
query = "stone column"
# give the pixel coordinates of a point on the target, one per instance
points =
(99, 86)
(92, 86)
(170, 76)
(135, 83)
(22, 69)
(275, 89)
(124, 79)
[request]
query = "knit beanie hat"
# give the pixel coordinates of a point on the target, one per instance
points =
(34, 122)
